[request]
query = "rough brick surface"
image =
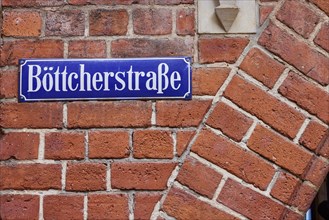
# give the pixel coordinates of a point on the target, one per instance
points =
(185, 22)
(313, 135)
(31, 115)
(182, 205)
(108, 2)
(198, 177)
(173, 2)
(8, 83)
(228, 50)
(183, 139)
(85, 176)
(322, 4)
(262, 67)
(296, 52)
(108, 144)
(32, 3)
(264, 12)
(153, 144)
(304, 197)
(317, 171)
(30, 176)
(19, 146)
(324, 146)
(21, 24)
(279, 150)
(232, 123)
(234, 159)
(19, 207)
(322, 39)
(87, 49)
(181, 113)
(148, 176)
(144, 205)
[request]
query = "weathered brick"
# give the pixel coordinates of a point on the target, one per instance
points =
(104, 206)
(302, 19)
(264, 12)
(307, 60)
(183, 139)
(30, 176)
(147, 176)
(8, 83)
(307, 95)
(108, 144)
(86, 176)
(108, 22)
(63, 207)
(313, 135)
(181, 113)
(151, 47)
(32, 3)
(19, 207)
(317, 171)
(207, 81)
(65, 23)
(232, 123)
(144, 205)
(182, 205)
(11, 51)
(285, 187)
(153, 144)
(173, 2)
(64, 146)
(185, 22)
(324, 146)
(322, 39)
(322, 4)
(279, 150)
(249, 202)
(21, 23)
(87, 49)
(118, 114)
(19, 146)
(262, 67)
(228, 50)
(152, 21)
(291, 215)
(277, 114)
(234, 159)
(31, 115)
(108, 2)
(304, 197)
(198, 177)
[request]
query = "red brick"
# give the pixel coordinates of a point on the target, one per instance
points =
(65, 23)
(8, 83)
(63, 207)
(108, 2)
(307, 95)
(153, 144)
(264, 12)
(307, 60)
(144, 205)
(232, 123)
(269, 0)
(299, 17)
(199, 177)
(151, 21)
(173, 2)
(181, 113)
(64, 146)
(31, 115)
(118, 114)
(86, 176)
(103, 206)
(21, 23)
(108, 144)
(317, 171)
(30, 176)
(87, 49)
(313, 135)
(182, 205)
(185, 22)
(108, 22)
(285, 187)
(32, 3)
(183, 140)
(322, 4)
(19, 146)
(248, 202)
(151, 47)
(262, 67)
(324, 146)
(277, 114)
(207, 81)
(279, 150)
(228, 50)
(304, 197)
(19, 207)
(147, 176)
(322, 39)
(11, 51)
(291, 215)
(234, 159)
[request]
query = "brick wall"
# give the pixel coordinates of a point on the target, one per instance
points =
(253, 142)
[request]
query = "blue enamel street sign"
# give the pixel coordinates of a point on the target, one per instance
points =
(93, 79)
